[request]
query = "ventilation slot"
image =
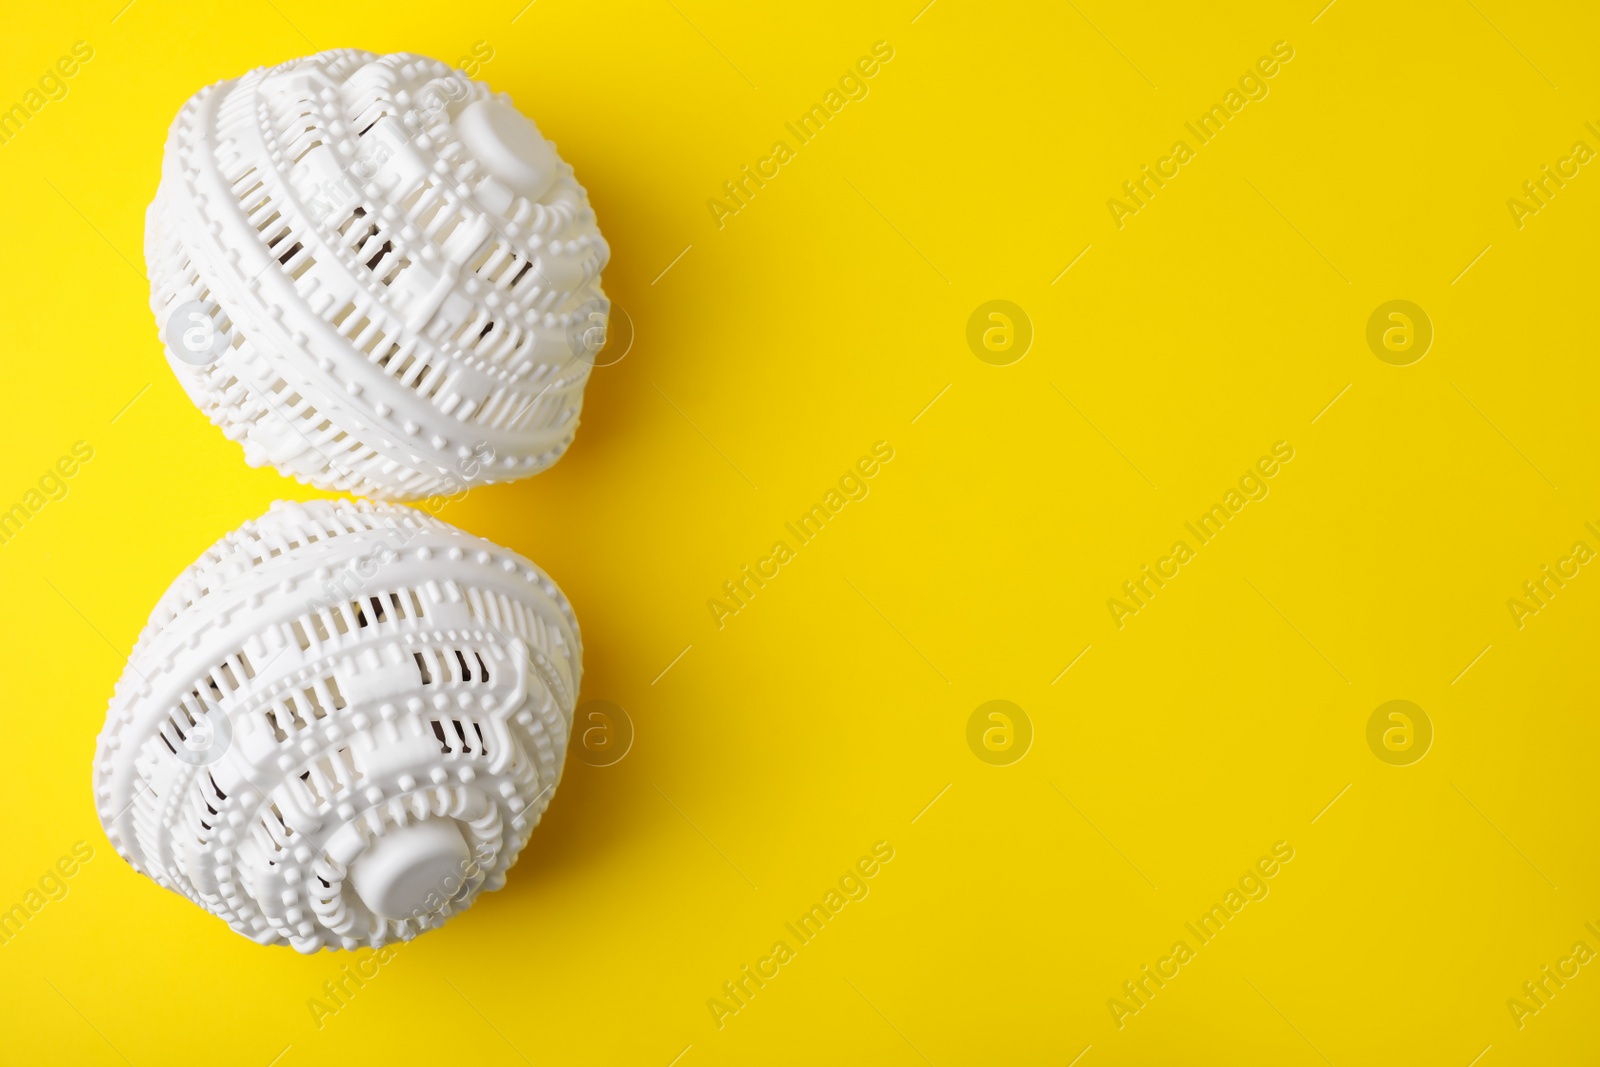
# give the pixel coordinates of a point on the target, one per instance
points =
(459, 737)
(450, 665)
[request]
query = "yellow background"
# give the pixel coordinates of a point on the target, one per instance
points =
(825, 716)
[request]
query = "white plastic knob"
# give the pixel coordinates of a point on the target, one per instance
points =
(376, 275)
(397, 873)
(340, 725)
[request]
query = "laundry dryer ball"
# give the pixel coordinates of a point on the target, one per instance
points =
(376, 275)
(340, 725)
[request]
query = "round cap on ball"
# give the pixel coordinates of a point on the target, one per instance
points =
(405, 873)
(509, 145)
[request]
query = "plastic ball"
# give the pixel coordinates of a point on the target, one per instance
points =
(376, 275)
(341, 724)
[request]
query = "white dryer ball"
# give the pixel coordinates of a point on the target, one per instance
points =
(376, 275)
(340, 725)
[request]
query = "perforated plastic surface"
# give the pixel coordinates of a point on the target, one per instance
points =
(340, 725)
(376, 275)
